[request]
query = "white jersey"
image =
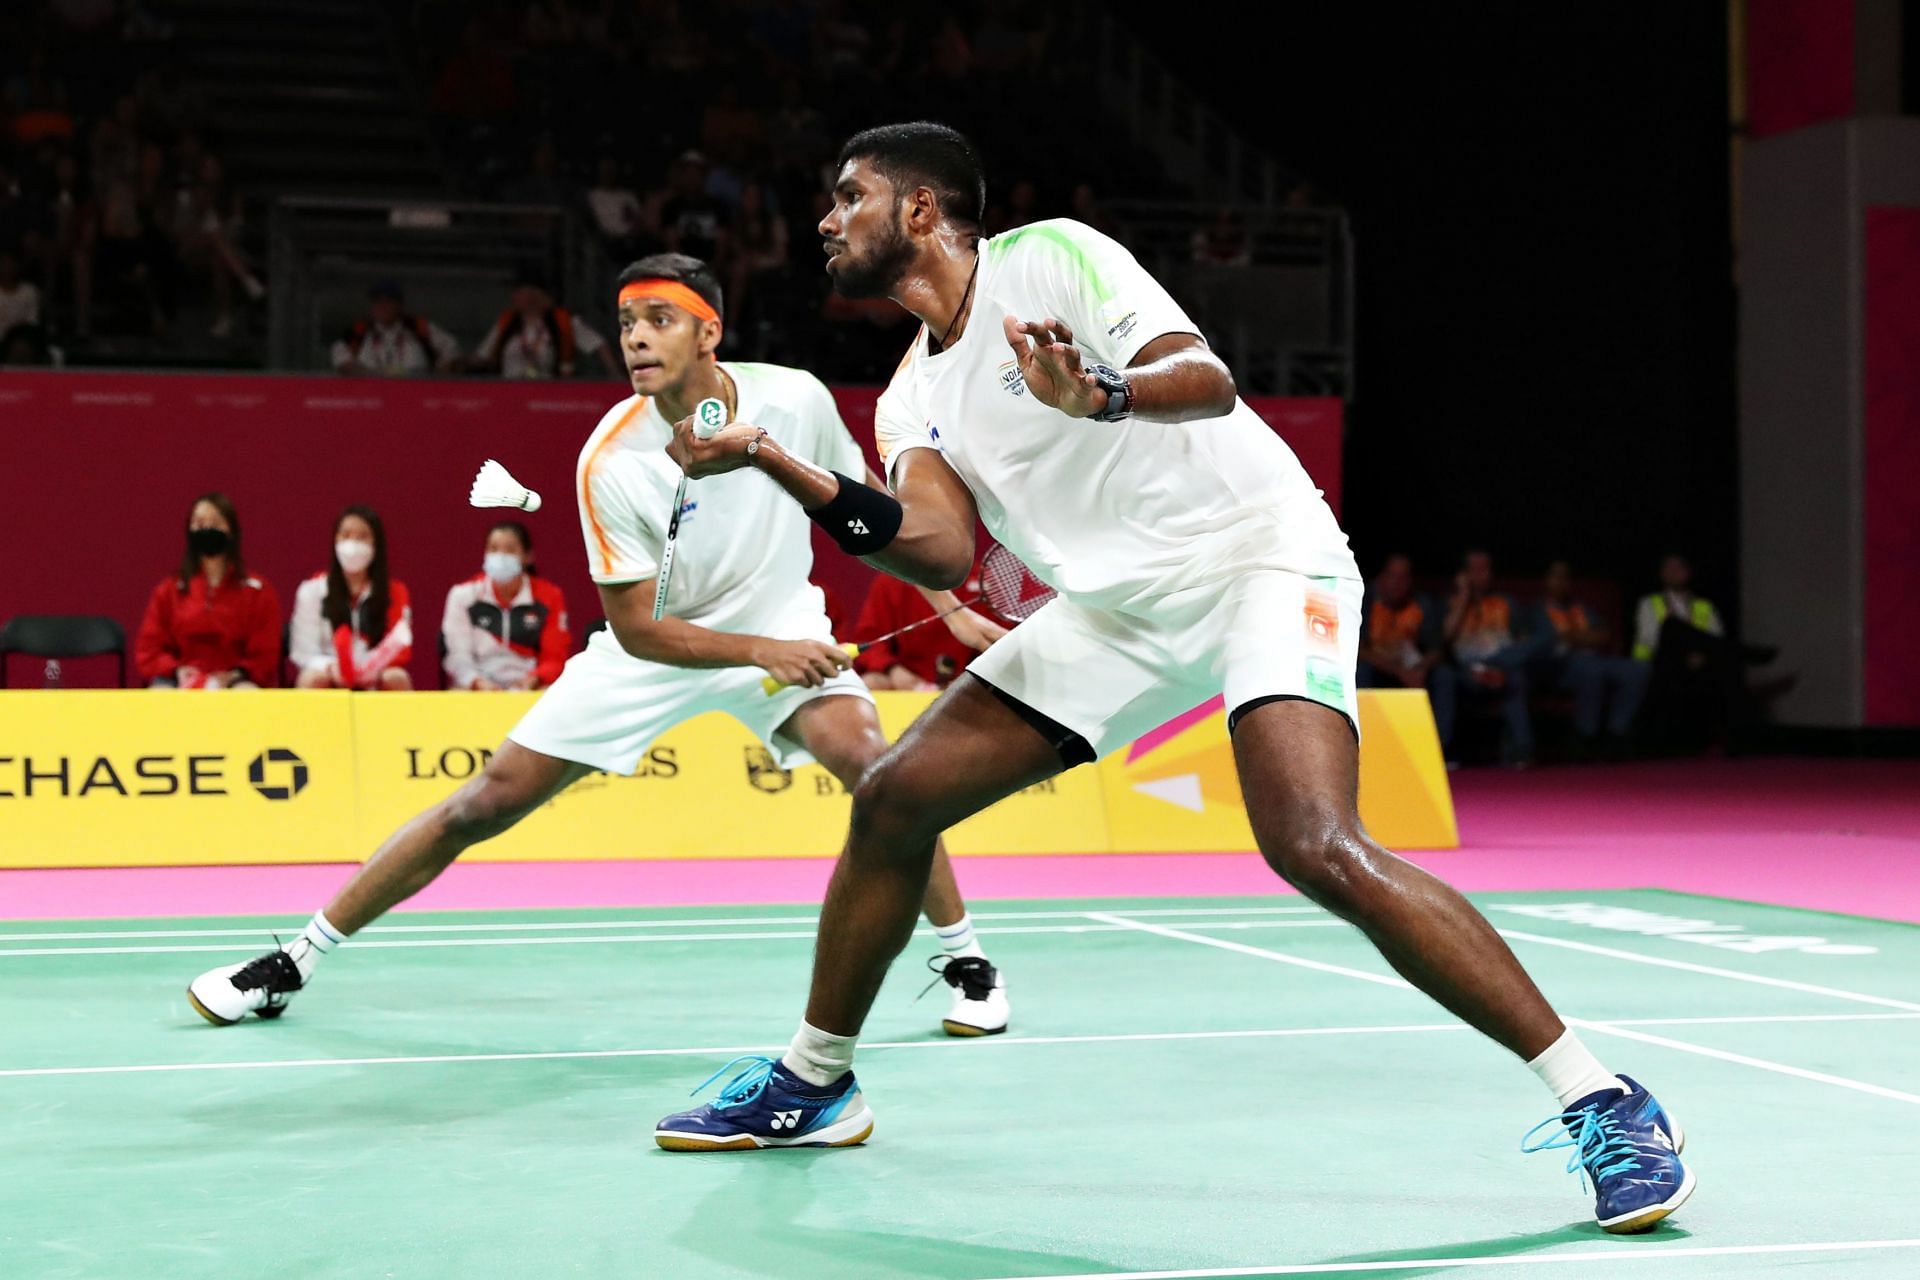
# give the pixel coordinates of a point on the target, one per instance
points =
(1112, 515)
(745, 548)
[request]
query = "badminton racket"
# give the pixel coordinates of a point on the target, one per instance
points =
(1007, 587)
(708, 417)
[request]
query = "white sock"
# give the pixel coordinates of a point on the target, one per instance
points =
(819, 1057)
(1571, 1072)
(318, 939)
(957, 939)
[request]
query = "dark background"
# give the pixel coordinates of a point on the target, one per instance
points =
(1545, 311)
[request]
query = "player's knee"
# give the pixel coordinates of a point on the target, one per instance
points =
(890, 807)
(481, 810)
(1326, 862)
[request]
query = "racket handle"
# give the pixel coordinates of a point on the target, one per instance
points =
(770, 686)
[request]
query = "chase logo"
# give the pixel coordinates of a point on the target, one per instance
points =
(278, 774)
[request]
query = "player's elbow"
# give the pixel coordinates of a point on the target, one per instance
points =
(946, 568)
(1224, 391)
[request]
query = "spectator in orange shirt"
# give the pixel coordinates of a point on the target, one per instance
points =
(1574, 657)
(353, 625)
(210, 626)
(1400, 644)
(928, 657)
(506, 628)
(1489, 653)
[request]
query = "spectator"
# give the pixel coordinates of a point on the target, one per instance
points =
(759, 239)
(1695, 675)
(691, 220)
(206, 221)
(1400, 644)
(617, 212)
(1574, 658)
(928, 657)
(388, 340)
(1087, 209)
(542, 183)
(353, 625)
(1223, 243)
(210, 625)
(25, 346)
(1021, 208)
(1491, 660)
(535, 337)
(19, 300)
(506, 628)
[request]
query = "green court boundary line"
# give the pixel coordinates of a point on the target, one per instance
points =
(1617, 1254)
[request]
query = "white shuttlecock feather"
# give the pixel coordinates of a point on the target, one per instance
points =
(496, 487)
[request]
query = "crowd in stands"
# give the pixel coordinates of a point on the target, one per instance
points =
(114, 207)
(1512, 657)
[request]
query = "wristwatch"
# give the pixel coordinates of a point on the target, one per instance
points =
(1119, 393)
(753, 445)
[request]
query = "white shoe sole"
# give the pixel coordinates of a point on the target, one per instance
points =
(848, 1131)
(207, 1013)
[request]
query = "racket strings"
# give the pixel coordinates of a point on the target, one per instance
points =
(1009, 588)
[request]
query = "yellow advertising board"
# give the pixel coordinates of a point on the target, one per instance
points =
(126, 777)
(111, 777)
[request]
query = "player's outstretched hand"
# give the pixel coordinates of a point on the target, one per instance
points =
(803, 662)
(1050, 363)
(721, 453)
(974, 630)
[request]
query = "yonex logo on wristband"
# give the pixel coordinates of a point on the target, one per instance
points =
(856, 526)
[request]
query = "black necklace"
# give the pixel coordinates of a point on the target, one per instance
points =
(962, 308)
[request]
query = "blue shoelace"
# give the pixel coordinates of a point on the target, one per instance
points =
(743, 1088)
(1593, 1132)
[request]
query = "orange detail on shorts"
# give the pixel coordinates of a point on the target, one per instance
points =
(586, 486)
(1323, 619)
(670, 291)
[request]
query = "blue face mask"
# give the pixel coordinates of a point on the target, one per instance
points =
(502, 566)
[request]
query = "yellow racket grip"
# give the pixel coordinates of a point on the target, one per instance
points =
(770, 686)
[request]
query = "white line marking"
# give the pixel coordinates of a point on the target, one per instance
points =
(732, 1050)
(244, 948)
(1619, 1254)
(552, 926)
(1166, 931)
(1760, 1017)
(1690, 967)
(1764, 1064)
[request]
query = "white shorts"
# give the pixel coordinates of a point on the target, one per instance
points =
(608, 706)
(1111, 677)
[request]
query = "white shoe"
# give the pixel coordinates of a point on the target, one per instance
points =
(225, 995)
(979, 995)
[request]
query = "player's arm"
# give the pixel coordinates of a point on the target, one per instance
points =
(921, 532)
(676, 643)
(1174, 378)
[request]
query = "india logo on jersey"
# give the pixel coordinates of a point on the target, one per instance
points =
(1010, 379)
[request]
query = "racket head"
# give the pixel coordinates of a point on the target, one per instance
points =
(1008, 588)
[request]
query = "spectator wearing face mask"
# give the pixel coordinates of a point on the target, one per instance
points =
(210, 625)
(353, 625)
(506, 628)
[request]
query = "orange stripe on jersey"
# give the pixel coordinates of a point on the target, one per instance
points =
(586, 486)
(912, 347)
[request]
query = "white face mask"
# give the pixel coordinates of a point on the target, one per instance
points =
(502, 566)
(353, 554)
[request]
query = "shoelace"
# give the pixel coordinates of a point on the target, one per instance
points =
(275, 972)
(1600, 1149)
(973, 975)
(743, 1088)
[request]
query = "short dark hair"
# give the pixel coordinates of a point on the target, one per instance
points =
(679, 267)
(924, 154)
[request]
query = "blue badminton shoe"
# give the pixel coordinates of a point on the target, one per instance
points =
(766, 1105)
(1629, 1148)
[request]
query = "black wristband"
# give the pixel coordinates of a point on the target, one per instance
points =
(860, 518)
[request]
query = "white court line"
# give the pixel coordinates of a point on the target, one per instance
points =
(1762, 980)
(731, 1050)
(1618, 1254)
(551, 926)
(1758, 1017)
(242, 948)
(1168, 931)
(1764, 1064)
(1604, 1028)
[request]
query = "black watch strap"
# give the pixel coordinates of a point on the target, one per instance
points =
(1119, 393)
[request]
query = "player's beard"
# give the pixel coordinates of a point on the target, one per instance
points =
(875, 275)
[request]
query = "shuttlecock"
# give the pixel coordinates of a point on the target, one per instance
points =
(496, 487)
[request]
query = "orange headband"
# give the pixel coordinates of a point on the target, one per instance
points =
(670, 291)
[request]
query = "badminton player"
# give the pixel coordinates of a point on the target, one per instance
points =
(741, 610)
(1058, 391)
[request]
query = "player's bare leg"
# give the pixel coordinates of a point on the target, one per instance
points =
(515, 782)
(1299, 771)
(844, 735)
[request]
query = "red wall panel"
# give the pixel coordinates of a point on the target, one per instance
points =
(1891, 543)
(1799, 64)
(99, 469)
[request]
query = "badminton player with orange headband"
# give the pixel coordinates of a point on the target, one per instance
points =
(740, 612)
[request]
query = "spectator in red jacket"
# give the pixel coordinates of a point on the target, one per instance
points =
(353, 625)
(506, 628)
(209, 625)
(928, 657)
